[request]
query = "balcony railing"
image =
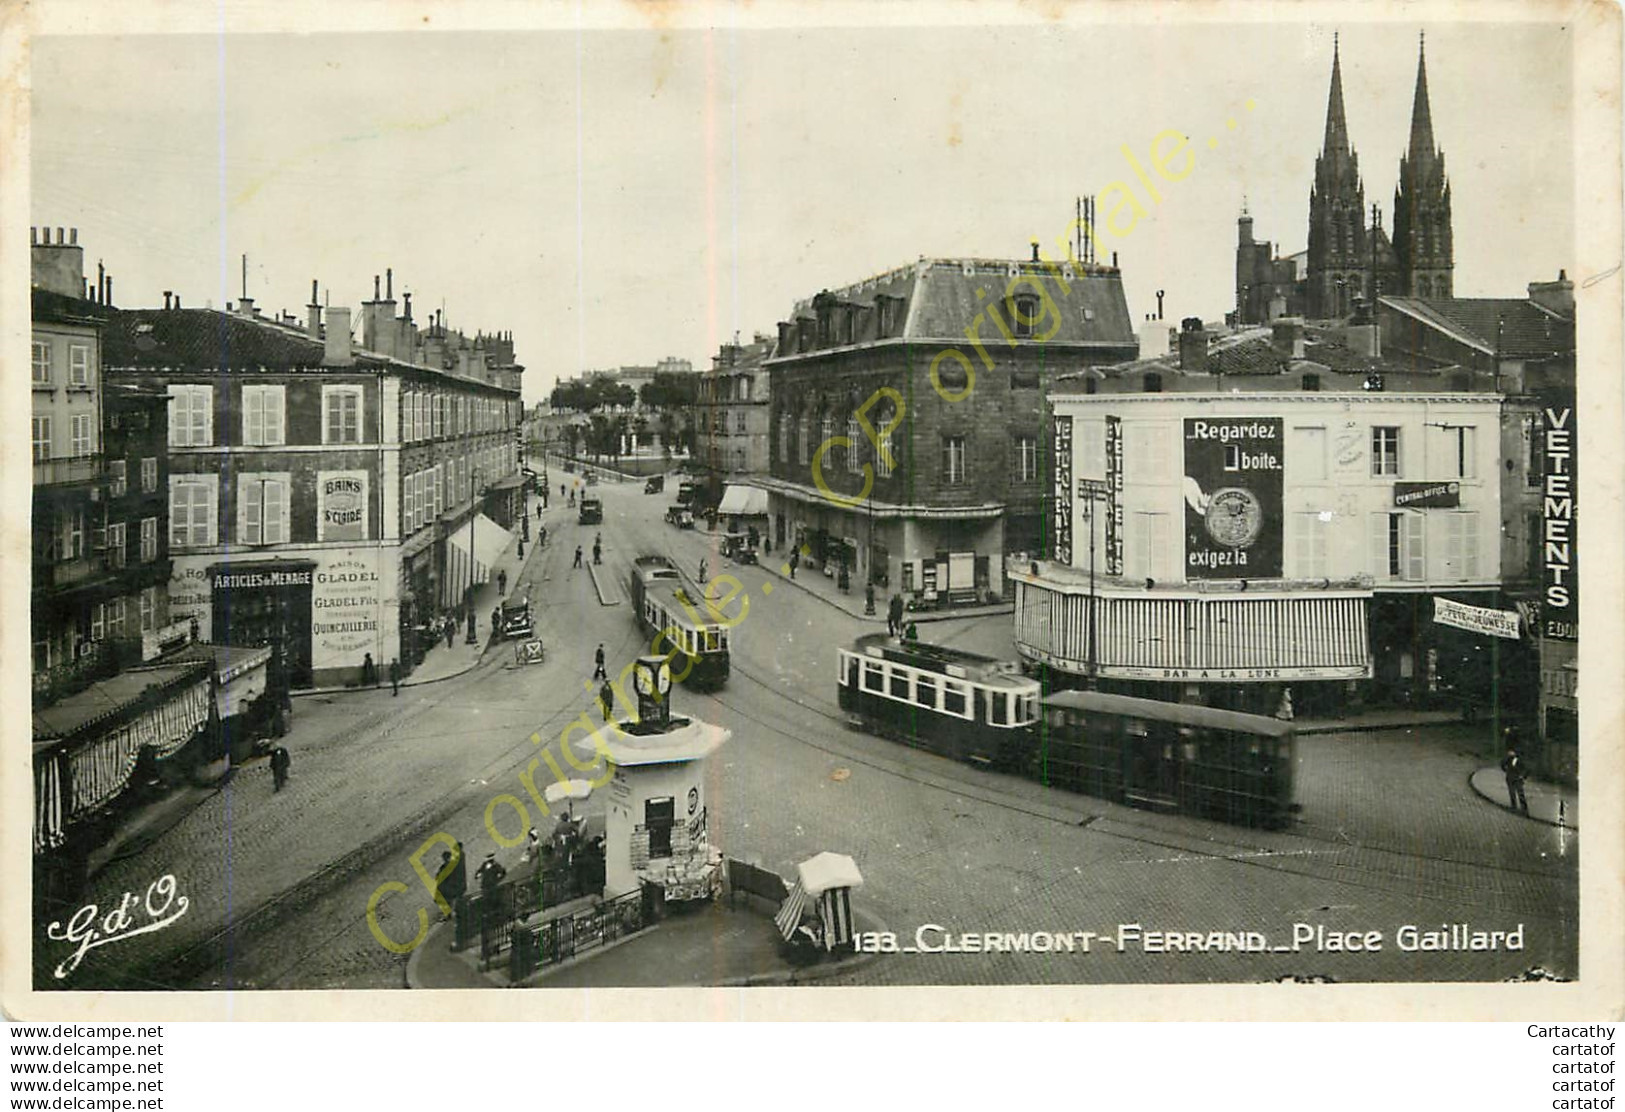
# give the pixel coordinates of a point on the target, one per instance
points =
(97, 660)
(68, 470)
(70, 573)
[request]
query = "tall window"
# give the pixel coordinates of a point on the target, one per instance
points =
(149, 609)
(42, 439)
(83, 430)
(78, 365)
(115, 545)
(191, 511)
(40, 356)
(1306, 454)
(784, 438)
(117, 478)
(953, 459)
(262, 516)
(854, 438)
(1026, 458)
(149, 539)
(1310, 547)
(885, 457)
(439, 415)
(804, 439)
(1466, 447)
(264, 412)
(149, 475)
(191, 416)
(1385, 451)
(1461, 545)
(1398, 546)
(341, 407)
(739, 422)
(73, 536)
(409, 502)
(1023, 315)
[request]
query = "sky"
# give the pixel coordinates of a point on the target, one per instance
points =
(613, 197)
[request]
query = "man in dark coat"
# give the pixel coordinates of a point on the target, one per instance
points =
(454, 872)
(606, 699)
(451, 631)
(599, 672)
(490, 873)
(577, 564)
(894, 615)
(1512, 766)
(280, 761)
(395, 677)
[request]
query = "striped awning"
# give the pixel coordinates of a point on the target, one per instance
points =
(835, 911)
(789, 916)
(100, 768)
(48, 820)
(1228, 637)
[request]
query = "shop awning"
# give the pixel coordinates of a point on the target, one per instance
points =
(490, 541)
(743, 501)
(828, 870)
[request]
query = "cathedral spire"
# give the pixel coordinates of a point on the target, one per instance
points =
(1337, 128)
(1421, 115)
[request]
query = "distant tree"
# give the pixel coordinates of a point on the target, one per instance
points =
(668, 432)
(572, 436)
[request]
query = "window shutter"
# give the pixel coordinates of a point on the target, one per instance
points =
(179, 509)
(1469, 545)
(1415, 548)
(276, 509)
(203, 416)
(205, 511)
(249, 509)
(253, 415)
(274, 415)
(1379, 546)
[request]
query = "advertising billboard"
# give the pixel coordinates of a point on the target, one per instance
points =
(1233, 497)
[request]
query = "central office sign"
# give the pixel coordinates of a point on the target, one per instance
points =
(1427, 496)
(1233, 484)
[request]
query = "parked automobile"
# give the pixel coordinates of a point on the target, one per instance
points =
(515, 620)
(655, 485)
(680, 516)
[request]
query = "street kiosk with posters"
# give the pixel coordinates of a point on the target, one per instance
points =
(656, 836)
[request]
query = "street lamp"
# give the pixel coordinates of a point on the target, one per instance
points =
(1089, 492)
(473, 515)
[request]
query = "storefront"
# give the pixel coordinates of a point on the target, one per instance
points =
(325, 608)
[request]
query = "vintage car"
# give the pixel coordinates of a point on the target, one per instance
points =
(737, 547)
(592, 512)
(592, 478)
(515, 620)
(680, 516)
(655, 485)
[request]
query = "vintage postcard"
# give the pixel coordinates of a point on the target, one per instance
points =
(1012, 510)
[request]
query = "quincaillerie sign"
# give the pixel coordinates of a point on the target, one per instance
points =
(346, 606)
(1427, 496)
(1233, 485)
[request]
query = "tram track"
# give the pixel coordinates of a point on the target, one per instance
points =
(1105, 822)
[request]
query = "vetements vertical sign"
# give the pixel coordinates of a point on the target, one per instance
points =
(1559, 533)
(1233, 497)
(1061, 549)
(1114, 504)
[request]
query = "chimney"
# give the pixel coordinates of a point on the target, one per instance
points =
(245, 305)
(375, 294)
(1159, 304)
(73, 236)
(1556, 297)
(389, 289)
(1244, 230)
(1287, 337)
(338, 352)
(407, 312)
(59, 266)
(1114, 260)
(1035, 250)
(313, 321)
(1193, 346)
(109, 291)
(177, 301)
(167, 295)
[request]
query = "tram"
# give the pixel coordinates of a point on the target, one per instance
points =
(950, 702)
(1169, 756)
(670, 609)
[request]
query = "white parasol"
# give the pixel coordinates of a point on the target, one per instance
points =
(567, 790)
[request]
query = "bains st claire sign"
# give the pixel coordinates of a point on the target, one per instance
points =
(1233, 497)
(342, 509)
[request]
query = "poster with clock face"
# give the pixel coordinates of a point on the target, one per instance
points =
(1233, 497)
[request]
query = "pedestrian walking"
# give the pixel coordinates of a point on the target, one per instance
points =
(894, 615)
(1512, 766)
(451, 880)
(451, 631)
(280, 760)
(502, 583)
(597, 553)
(490, 873)
(395, 676)
(606, 699)
(496, 620)
(795, 561)
(577, 564)
(369, 672)
(704, 567)
(598, 671)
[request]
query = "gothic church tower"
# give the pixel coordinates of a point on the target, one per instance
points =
(1422, 236)
(1339, 256)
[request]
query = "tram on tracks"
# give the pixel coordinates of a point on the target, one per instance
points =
(953, 703)
(670, 609)
(1148, 753)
